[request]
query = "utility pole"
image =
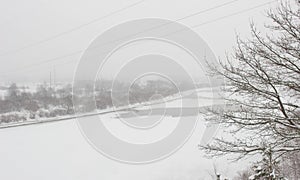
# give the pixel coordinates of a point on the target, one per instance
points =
(50, 80)
(54, 77)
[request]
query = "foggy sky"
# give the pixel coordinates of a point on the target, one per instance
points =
(26, 22)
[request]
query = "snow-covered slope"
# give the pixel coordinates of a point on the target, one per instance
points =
(59, 151)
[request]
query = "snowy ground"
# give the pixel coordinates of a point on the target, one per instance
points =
(59, 151)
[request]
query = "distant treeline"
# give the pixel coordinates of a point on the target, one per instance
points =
(44, 102)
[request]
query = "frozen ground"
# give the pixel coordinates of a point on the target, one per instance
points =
(59, 151)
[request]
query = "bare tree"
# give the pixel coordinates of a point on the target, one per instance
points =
(263, 90)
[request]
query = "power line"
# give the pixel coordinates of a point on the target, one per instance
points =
(79, 51)
(227, 16)
(29, 67)
(195, 26)
(234, 14)
(206, 10)
(72, 29)
(188, 16)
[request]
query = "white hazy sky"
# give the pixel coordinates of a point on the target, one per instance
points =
(26, 22)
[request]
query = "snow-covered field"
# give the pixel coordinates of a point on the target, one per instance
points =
(59, 151)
